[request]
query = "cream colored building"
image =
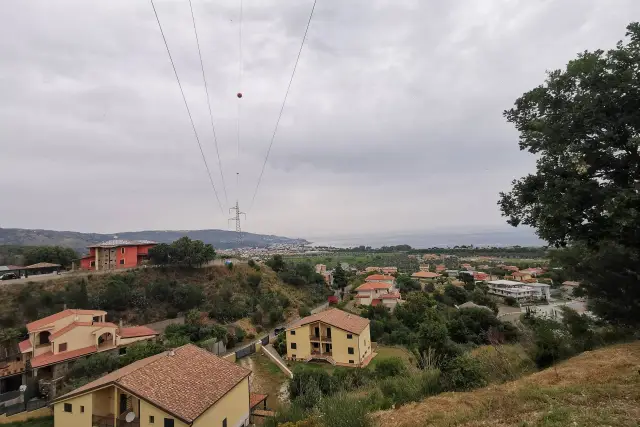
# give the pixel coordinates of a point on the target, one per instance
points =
(334, 336)
(188, 386)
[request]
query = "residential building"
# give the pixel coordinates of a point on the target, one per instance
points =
(480, 276)
(452, 273)
(371, 269)
(188, 386)
(115, 254)
(467, 266)
(56, 340)
(424, 275)
(440, 268)
(533, 271)
(321, 268)
(377, 292)
(333, 335)
(521, 275)
(328, 278)
(381, 278)
(509, 288)
(428, 257)
(511, 268)
(542, 290)
(425, 267)
(389, 270)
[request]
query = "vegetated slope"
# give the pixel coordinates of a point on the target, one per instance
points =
(151, 294)
(222, 239)
(597, 388)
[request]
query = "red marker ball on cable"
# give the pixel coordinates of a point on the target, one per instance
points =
(239, 94)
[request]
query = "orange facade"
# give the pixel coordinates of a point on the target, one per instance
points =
(121, 256)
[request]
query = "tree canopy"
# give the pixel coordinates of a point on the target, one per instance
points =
(184, 252)
(583, 124)
(52, 254)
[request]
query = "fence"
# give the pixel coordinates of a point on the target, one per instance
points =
(215, 347)
(265, 340)
(9, 395)
(246, 351)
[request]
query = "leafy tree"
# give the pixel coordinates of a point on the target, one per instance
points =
(407, 284)
(141, 350)
(391, 367)
(583, 126)
(183, 252)
(339, 277)
(511, 301)
(304, 311)
(51, 254)
(276, 263)
(459, 295)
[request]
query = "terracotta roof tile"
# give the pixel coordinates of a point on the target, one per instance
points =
(136, 331)
(425, 275)
(376, 302)
(255, 399)
(49, 358)
(334, 317)
(369, 286)
(164, 380)
(394, 295)
(25, 346)
(379, 277)
(67, 328)
(45, 321)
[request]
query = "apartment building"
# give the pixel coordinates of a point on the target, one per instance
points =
(334, 336)
(518, 290)
(115, 254)
(379, 290)
(187, 386)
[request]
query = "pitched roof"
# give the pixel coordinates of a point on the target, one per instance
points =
(49, 358)
(379, 277)
(45, 321)
(425, 275)
(470, 304)
(136, 331)
(25, 346)
(393, 295)
(184, 383)
(369, 286)
(41, 265)
(334, 317)
(74, 325)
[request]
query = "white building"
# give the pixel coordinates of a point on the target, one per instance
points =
(509, 288)
(518, 290)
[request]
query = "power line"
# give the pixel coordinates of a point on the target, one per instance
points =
(275, 130)
(187, 107)
(239, 115)
(206, 89)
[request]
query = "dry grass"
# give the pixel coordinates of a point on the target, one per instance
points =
(598, 388)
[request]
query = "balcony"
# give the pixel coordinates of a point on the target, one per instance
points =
(318, 355)
(319, 338)
(110, 421)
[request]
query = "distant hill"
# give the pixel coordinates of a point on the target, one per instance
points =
(221, 239)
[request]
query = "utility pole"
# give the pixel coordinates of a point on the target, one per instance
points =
(236, 218)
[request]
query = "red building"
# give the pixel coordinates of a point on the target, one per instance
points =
(114, 254)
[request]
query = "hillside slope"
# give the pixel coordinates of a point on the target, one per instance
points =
(597, 388)
(222, 239)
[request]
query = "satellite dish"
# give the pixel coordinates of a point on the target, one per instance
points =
(23, 388)
(130, 417)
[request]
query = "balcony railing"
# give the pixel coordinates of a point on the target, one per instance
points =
(319, 338)
(323, 354)
(100, 421)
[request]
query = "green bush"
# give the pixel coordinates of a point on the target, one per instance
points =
(461, 373)
(344, 410)
(94, 366)
(391, 367)
(511, 301)
(404, 389)
(304, 311)
(303, 375)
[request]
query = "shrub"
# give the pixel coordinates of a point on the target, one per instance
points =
(404, 389)
(503, 362)
(94, 366)
(390, 367)
(254, 279)
(304, 311)
(280, 343)
(461, 373)
(302, 375)
(343, 410)
(511, 301)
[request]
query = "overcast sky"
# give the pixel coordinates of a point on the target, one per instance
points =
(394, 120)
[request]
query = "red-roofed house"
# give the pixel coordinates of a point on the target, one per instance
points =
(62, 337)
(381, 278)
(479, 275)
(511, 268)
(440, 268)
(375, 293)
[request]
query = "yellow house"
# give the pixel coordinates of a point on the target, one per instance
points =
(187, 386)
(335, 336)
(62, 337)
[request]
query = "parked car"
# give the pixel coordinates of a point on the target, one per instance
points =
(8, 276)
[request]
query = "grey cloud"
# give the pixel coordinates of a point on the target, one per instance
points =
(394, 120)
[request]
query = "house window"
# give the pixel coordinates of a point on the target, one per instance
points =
(81, 408)
(224, 423)
(168, 422)
(62, 347)
(68, 407)
(349, 336)
(122, 351)
(92, 264)
(293, 332)
(350, 350)
(350, 361)
(121, 262)
(294, 346)
(151, 419)
(122, 251)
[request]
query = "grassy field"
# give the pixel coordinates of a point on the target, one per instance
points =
(387, 352)
(36, 422)
(597, 388)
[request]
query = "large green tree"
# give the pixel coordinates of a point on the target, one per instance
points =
(583, 125)
(51, 254)
(184, 252)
